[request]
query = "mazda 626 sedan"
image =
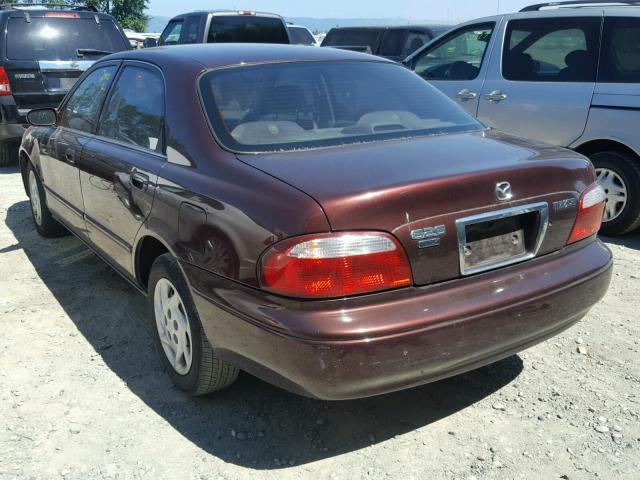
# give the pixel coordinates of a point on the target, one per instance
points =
(323, 219)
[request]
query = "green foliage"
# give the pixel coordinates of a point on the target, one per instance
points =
(129, 13)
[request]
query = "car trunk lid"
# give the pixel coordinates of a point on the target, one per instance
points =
(419, 189)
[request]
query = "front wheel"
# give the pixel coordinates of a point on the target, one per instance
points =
(619, 175)
(180, 339)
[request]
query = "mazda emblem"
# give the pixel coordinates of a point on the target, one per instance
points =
(503, 191)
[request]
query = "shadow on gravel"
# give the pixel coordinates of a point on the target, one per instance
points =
(630, 240)
(9, 169)
(252, 423)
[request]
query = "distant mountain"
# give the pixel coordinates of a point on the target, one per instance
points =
(157, 24)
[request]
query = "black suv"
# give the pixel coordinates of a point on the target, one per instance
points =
(43, 51)
(223, 26)
(395, 43)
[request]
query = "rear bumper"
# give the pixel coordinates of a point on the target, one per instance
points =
(379, 343)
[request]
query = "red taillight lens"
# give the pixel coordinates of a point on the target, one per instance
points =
(5, 86)
(61, 15)
(590, 211)
(335, 265)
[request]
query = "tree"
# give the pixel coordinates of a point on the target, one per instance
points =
(129, 13)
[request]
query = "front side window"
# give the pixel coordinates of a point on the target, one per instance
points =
(551, 50)
(620, 62)
(135, 111)
(171, 34)
(290, 106)
(83, 107)
(457, 57)
(301, 36)
(247, 29)
(190, 30)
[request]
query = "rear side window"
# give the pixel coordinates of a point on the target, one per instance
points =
(289, 106)
(247, 29)
(171, 34)
(552, 50)
(620, 61)
(82, 109)
(366, 37)
(402, 43)
(301, 36)
(56, 38)
(190, 30)
(135, 110)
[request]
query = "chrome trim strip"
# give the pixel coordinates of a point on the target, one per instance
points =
(542, 208)
(54, 65)
(109, 234)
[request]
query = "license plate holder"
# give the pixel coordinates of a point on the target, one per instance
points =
(504, 237)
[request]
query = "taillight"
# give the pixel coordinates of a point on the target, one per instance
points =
(5, 86)
(246, 13)
(61, 15)
(590, 211)
(335, 265)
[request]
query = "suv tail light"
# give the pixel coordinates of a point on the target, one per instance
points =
(333, 265)
(5, 86)
(590, 211)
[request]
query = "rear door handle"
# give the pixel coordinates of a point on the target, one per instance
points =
(466, 94)
(139, 180)
(495, 96)
(70, 155)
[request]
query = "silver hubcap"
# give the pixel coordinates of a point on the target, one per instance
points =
(173, 326)
(616, 192)
(35, 198)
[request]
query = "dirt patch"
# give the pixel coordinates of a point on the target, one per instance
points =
(82, 394)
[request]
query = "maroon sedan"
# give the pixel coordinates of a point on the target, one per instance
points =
(322, 219)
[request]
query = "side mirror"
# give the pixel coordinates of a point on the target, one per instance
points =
(42, 117)
(150, 42)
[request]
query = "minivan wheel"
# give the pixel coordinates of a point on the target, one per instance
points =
(45, 224)
(184, 349)
(8, 154)
(619, 174)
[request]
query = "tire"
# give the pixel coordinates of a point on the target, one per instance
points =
(45, 224)
(624, 170)
(206, 372)
(8, 154)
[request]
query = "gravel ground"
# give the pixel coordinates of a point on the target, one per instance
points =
(82, 395)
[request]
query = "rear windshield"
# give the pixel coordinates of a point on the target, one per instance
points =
(292, 106)
(55, 38)
(351, 37)
(301, 36)
(247, 29)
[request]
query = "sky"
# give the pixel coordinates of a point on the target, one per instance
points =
(442, 10)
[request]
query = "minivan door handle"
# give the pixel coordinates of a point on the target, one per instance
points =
(70, 155)
(495, 96)
(466, 94)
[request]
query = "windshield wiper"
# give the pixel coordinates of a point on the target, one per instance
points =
(91, 51)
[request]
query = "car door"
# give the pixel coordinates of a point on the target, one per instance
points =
(59, 158)
(543, 86)
(121, 163)
(457, 63)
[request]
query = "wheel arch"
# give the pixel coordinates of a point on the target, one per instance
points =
(147, 249)
(603, 145)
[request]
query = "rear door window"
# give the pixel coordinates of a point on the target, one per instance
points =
(134, 113)
(171, 34)
(620, 60)
(458, 57)
(247, 29)
(552, 50)
(190, 30)
(59, 38)
(83, 107)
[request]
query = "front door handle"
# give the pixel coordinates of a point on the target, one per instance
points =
(466, 94)
(495, 96)
(139, 180)
(70, 155)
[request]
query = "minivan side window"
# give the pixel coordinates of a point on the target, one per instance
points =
(190, 30)
(171, 34)
(134, 113)
(83, 107)
(551, 50)
(620, 60)
(457, 57)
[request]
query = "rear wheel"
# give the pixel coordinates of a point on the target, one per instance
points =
(45, 224)
(8, 154)
(180, 339)
(619, 174)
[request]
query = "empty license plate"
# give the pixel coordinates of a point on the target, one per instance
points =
(494, 249)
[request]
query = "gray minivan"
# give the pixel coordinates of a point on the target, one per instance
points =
(566, 73)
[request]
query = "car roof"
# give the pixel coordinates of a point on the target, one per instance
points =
(214, 55)
(24, 11)
(225, 12)
(394, 27)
